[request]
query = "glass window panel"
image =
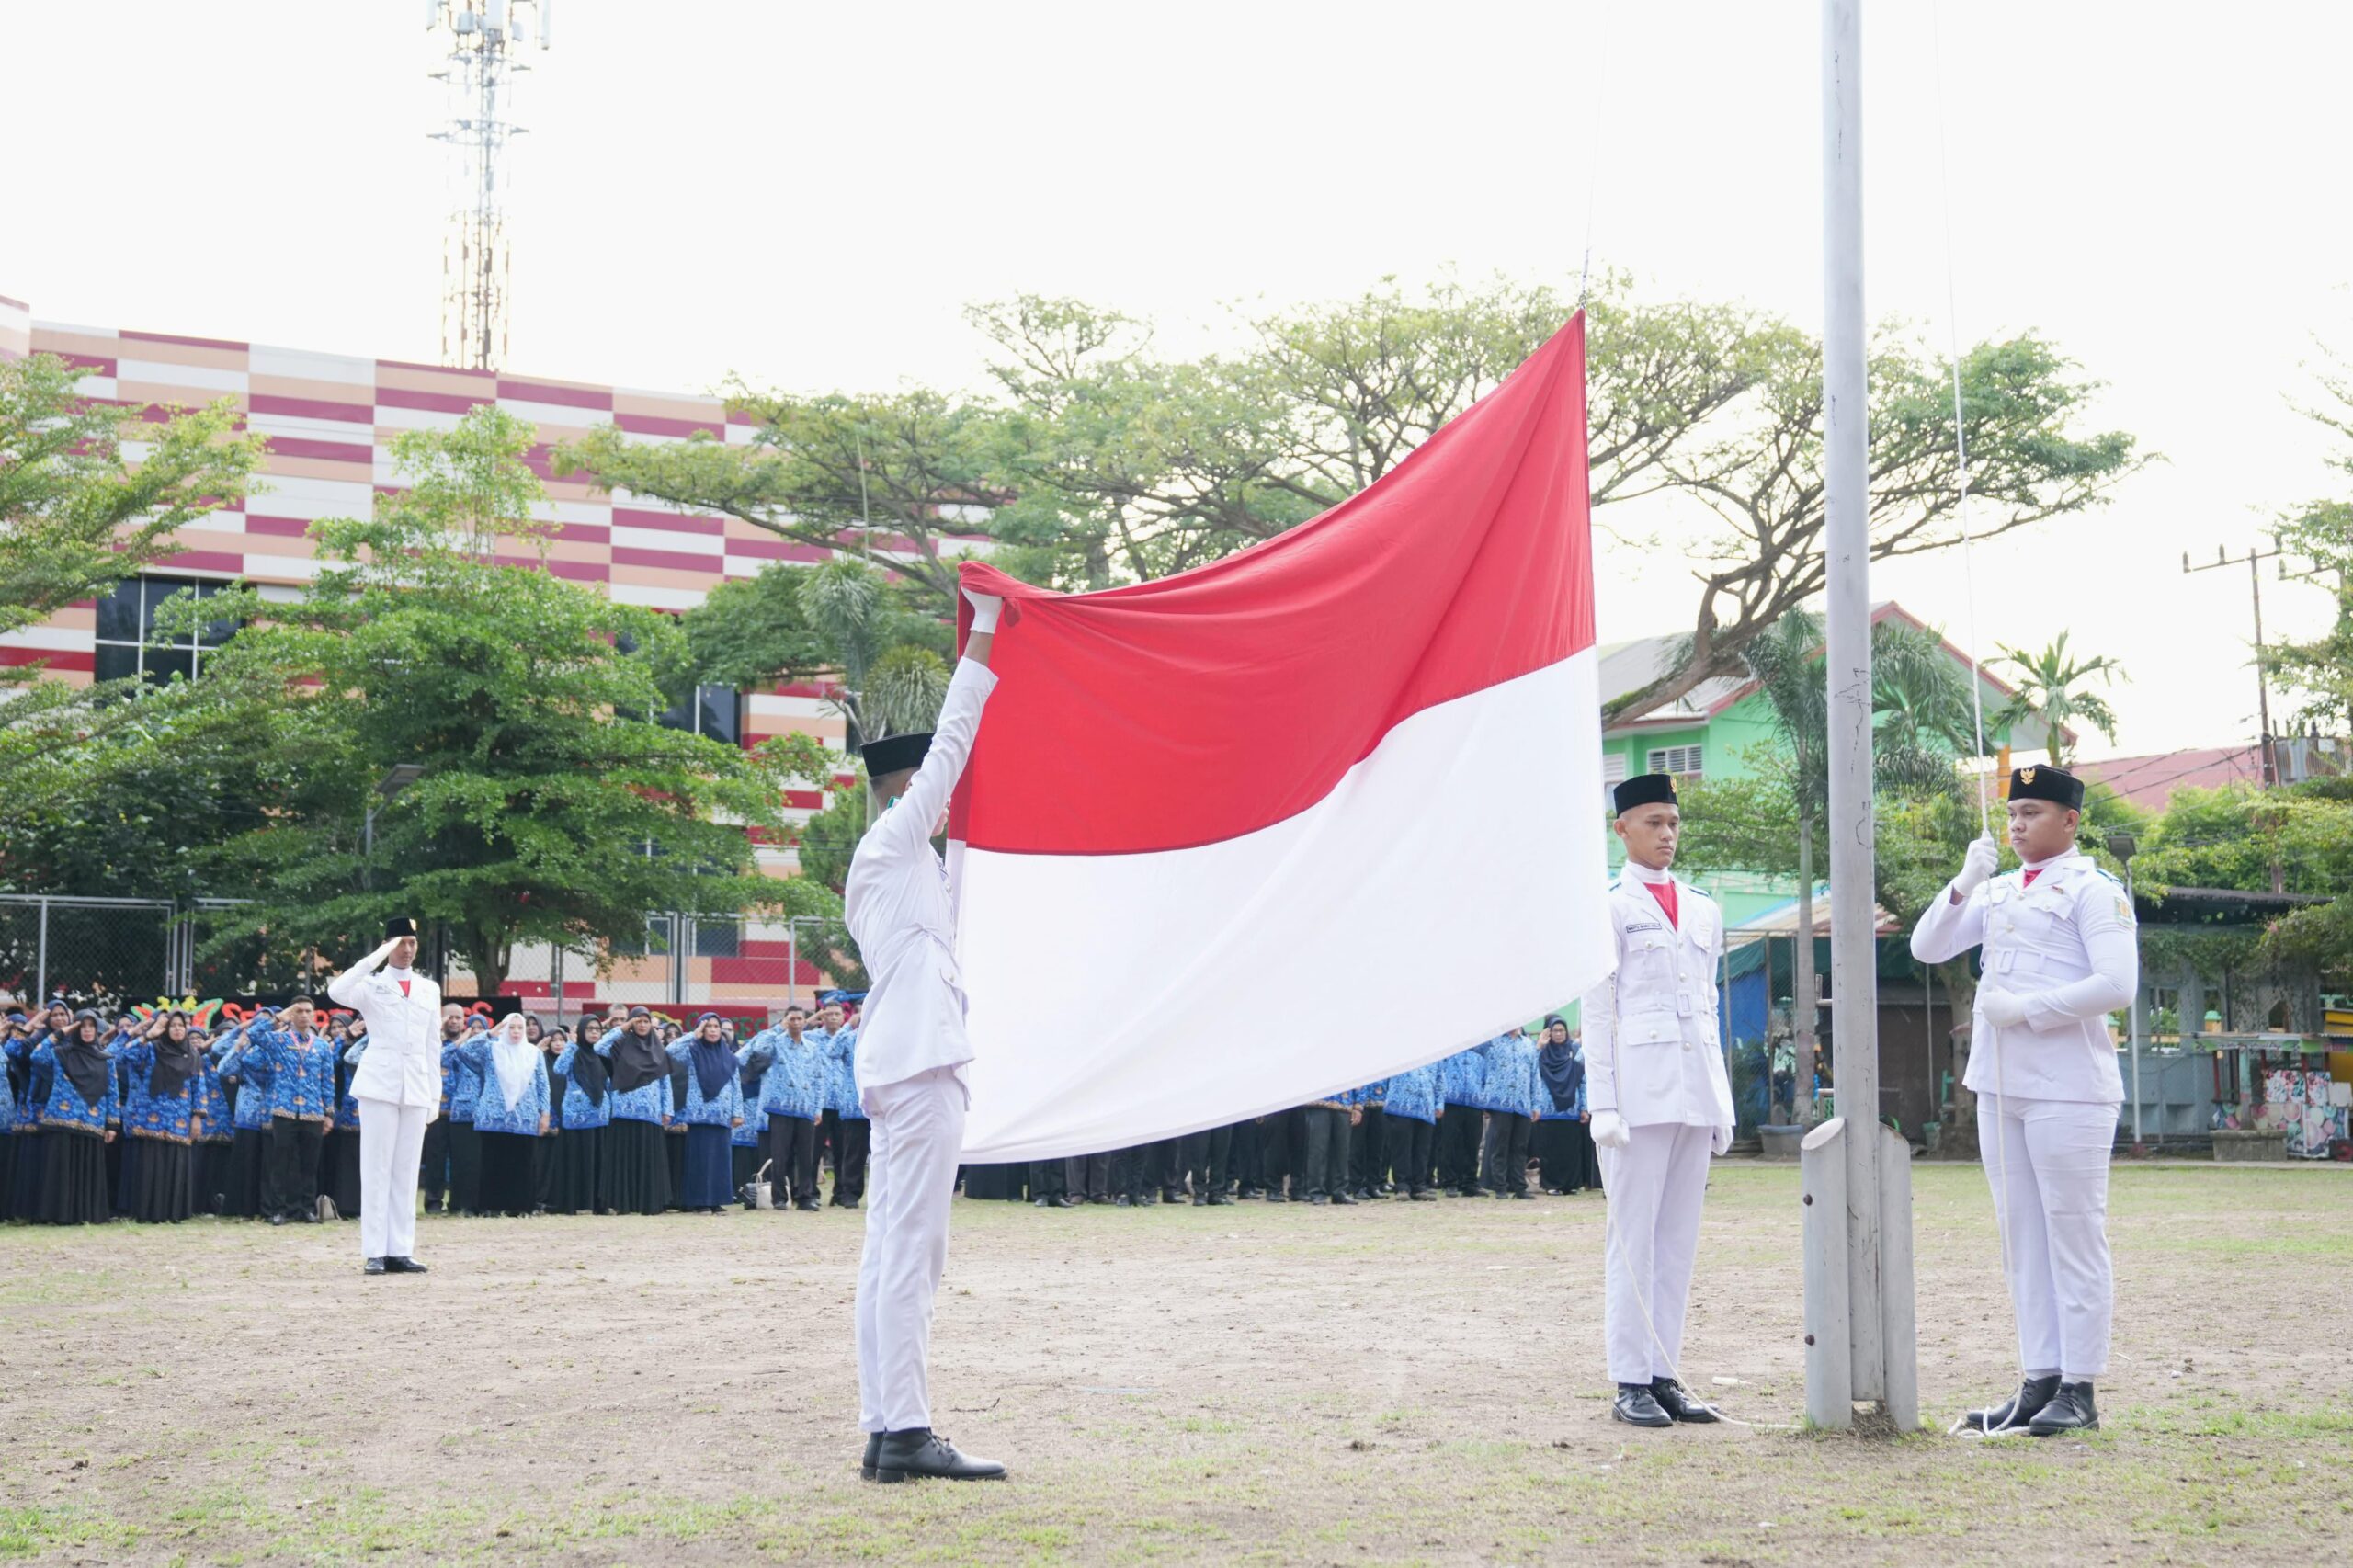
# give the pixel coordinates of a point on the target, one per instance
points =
(117, 661)
(158, 594)
(722, 713)
(119, 613)
(718, 939)
(164, 664)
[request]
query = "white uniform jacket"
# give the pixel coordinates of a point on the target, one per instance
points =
(2069, 947)
(403, 1063)
(1652, 1051)
(902, 912)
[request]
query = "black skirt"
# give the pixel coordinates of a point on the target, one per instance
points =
(209, 1175)
(73, 1181)
(579, 1162)
(340, 1171)
(991, 1181)
(1564, 1147)
(674, 1154)
(248, 1160)
(708, 1169)
(637, 1168)
(506, 1187)
(158, 1180)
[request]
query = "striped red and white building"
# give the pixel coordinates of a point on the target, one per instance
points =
(330, 419)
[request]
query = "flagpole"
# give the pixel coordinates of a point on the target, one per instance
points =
(1878, 1305)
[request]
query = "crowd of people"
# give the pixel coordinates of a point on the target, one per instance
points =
(165, 1114)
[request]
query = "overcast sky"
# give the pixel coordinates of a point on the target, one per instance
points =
(810, 195)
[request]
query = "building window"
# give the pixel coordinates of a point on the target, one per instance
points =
(1613, 773)
(127, 628)
(1681, 761)
(719, 938)
(713, 710)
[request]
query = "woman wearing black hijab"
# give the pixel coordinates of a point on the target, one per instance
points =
(73, 1089)
(580, 1153)
(637, 1096)
(163, 1068)
(1564, 1138)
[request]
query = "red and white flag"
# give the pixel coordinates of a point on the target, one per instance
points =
(1299, 819)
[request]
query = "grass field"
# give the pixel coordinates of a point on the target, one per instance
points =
(1283, 1384)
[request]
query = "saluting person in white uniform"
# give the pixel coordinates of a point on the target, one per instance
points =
(912, 1049)
(1660, 1101)
(2061, 953)
(398, 1085)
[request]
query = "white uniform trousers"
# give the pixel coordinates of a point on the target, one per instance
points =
(917, 1138)
(2047, 1162)
(391, 1144)
(1654, 1187)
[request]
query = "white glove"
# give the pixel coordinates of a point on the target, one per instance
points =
(1719, 1138)
(1977, 866)
(1609, 1130)
(985, 608)
(2002, 1008)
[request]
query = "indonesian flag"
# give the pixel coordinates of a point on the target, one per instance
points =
(1299, 819)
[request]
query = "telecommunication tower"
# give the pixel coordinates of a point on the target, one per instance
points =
(485, 51)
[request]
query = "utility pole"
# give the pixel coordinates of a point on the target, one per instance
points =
(1860, 1322)
(2254, 558)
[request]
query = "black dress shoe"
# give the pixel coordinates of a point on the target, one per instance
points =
(374, 1265)
(811, 1206)
(1677, 1400)
(873, 1453)
(1422, 1196)
(918, 1454)
(1525, 1197)
(2070, 1410)
(2020, 1408)
(1220, 1200)
(1636, 1406)
(1318, 1198)
(1342, 1198)
(403, 1266)
(278, 1219)
(1123, 1201)
(1035, 1203)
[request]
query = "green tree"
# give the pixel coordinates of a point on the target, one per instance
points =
(2317, 672)
(2237, 837)
(2054, 695)
(550, 807)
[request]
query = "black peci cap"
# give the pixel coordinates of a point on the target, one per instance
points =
(2053, 784)
(1646, 789)
(894, 753)
(399, 925)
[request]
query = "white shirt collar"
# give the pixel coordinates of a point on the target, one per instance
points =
(1636, 872)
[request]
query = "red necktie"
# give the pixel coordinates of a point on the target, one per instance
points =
(2031, 875)
(1665, 893)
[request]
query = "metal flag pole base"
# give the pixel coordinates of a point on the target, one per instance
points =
(1830, 1336)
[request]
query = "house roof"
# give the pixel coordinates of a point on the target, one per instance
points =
(2149, 781)
(1629, 667)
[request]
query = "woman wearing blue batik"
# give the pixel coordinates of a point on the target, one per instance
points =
(711, 1111)
(73, 1089)
(637, 1098)
(580, 1153)
(249, 1148)
(1461, 1080)
(1564, 1140)
(510, 1112)
(339, 1156)
(745, 1144)
(849, 1157)
(159, 1120)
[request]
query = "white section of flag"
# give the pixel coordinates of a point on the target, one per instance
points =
(1445, 889)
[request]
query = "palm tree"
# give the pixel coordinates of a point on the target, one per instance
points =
(1920, 726)
(2051, 694)
(888, 686)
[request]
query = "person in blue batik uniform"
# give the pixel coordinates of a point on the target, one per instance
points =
(637, 1099)
(580, 1153)
(20, 1182)
(159, 1120)
(849, 1157)
(1515, 1099)
(339, 1156)
(1413, 1107)
(1461, 1079)
(1563, 1141)
(711, 1110)
(796, 1089)
(72, 1086)
(214, 1126)
(465, 1143)
(510, 1112)
(301, 1065)
(249, 1147)
(747, 1144)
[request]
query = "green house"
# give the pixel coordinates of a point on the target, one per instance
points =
(1715, 731)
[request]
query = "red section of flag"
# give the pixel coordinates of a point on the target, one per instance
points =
(1205, 706)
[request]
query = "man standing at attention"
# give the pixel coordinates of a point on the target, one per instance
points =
(398, 1085)
(1661, 1103)
(2062, 953)
(910, 1070)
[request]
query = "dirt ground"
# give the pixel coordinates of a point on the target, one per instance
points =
(1392, 1383)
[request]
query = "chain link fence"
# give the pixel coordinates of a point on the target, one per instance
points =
(93, 952)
